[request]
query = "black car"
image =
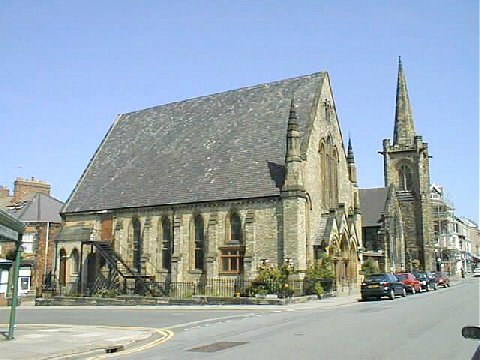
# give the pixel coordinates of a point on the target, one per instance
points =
(382, 285)
(427, 280)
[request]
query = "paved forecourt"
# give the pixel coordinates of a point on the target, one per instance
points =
(78, 341)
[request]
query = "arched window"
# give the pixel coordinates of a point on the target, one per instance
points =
(167, 244)
(63, 267)
(231, 255)
(323, 172)
(199, 243)
(334, 184)
(405, 178)
(137, 244)
(329, 174)
(75, 261)
(235, 228)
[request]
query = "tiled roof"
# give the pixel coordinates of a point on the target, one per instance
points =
(229, 145)
(372, 203)
(37, 207)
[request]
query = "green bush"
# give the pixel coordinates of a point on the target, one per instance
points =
(269, 280)
(322, 269)
(369, 267)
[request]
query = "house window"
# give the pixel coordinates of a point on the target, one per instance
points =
(166, 244)
(28, 240)
(232, 260)
(199, 243)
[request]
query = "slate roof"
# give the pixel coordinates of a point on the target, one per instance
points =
(37, 207)
(74, 233)
(372, 202)
(229, 145)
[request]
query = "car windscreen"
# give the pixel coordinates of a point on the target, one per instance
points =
(402, 277)
(421, 276)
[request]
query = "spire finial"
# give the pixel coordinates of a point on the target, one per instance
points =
(293, 113)
(399, 61)
(350, 157)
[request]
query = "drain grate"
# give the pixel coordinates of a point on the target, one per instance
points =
(218, 346)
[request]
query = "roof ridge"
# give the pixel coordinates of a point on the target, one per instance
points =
(243, 88)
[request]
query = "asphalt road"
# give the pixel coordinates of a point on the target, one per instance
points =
(421, 326)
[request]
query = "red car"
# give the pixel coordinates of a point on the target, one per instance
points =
(442, 279)
(411, 283)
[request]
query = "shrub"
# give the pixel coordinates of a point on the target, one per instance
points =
(370, 267)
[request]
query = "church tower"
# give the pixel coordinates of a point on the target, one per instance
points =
(406, 166)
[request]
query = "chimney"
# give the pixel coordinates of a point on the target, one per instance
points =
(23, 187)
(4, 192)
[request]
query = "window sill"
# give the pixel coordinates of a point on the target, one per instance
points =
(195, 271)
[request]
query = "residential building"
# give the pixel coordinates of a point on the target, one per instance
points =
(32, 204)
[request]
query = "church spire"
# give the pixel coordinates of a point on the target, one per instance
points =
(350, 157)
(352, 168)
(404, 131)
(293, 160)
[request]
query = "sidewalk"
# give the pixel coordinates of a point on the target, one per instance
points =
(54, 342)
(41, 342)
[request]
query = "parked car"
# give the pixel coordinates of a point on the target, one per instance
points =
(476, 272)
(427, 280)
(412, 285)
(441, 278)
(382, 285)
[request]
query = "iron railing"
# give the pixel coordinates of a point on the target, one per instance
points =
(221, 288)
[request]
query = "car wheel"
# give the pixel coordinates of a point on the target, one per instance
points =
(391, 295)
(448, 284)
(404, 292)
(413, 291)
(428, 287)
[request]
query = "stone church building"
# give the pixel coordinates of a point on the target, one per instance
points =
(217, 186)
(398, 221)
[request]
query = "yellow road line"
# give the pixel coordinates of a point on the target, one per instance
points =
(166, 335)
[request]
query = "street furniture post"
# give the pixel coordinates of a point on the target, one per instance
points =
(13, 308)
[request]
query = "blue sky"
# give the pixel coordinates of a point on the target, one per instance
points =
(69, 67)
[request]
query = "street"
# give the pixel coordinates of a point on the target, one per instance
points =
(421, 326)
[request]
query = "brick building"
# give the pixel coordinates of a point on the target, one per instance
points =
(215, 186)
(32, 204)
